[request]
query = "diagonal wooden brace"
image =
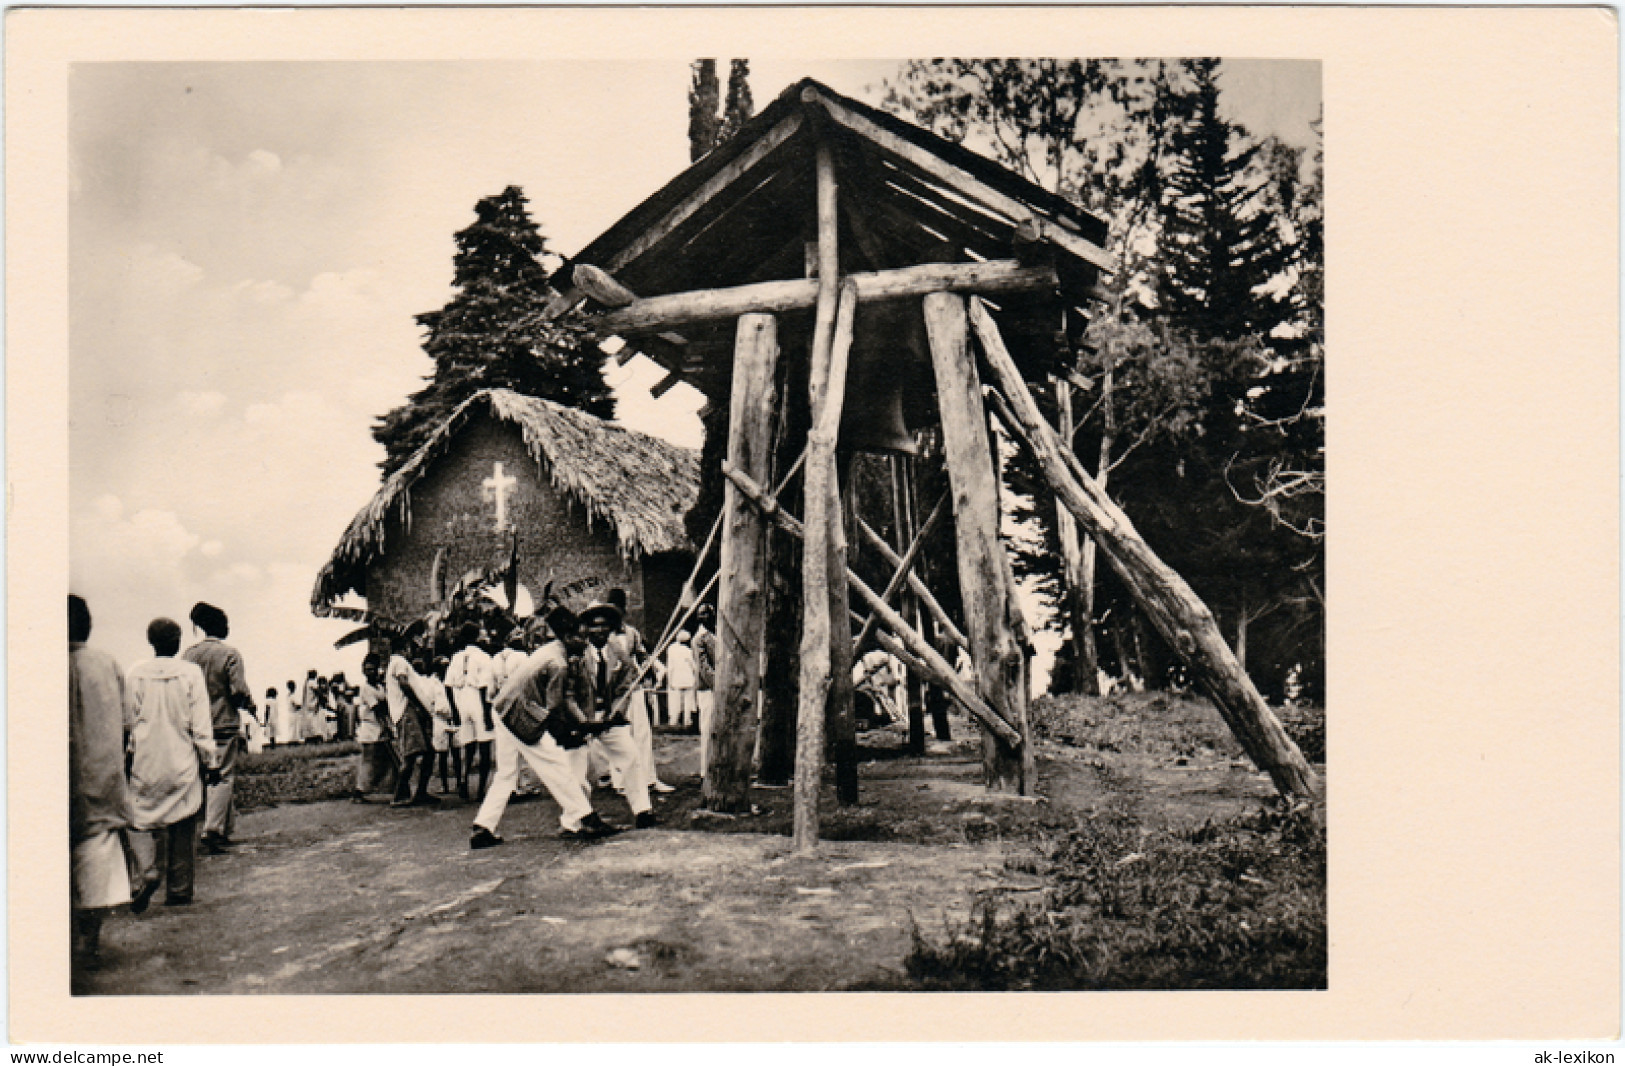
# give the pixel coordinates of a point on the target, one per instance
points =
(1182, 619)
(942, 673)
(906, 567)
(916, 586)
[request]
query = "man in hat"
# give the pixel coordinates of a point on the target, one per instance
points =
(614, 671)
(98, 798)
(228, 692)
(548, 700)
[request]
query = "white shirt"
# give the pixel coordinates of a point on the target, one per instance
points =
(680, 666)
(503, 665)
(467, 674)
(398, 676)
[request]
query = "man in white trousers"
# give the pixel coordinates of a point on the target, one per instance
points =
(547, 701)
(614, 671)
(628, 641)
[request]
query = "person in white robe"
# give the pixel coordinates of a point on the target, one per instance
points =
(98, 793)
(286, 727)
(172, 753)
(468, 676)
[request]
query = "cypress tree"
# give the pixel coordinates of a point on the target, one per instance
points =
(489, 334)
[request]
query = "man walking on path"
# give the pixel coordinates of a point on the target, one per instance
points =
(376, 766)
(228, 691)
(172, 755)
(541, 717)
(98, 800)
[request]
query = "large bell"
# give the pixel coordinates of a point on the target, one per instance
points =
(873, 417)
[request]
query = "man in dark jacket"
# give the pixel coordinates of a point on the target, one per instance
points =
(228, 693)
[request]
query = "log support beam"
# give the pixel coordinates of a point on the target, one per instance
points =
(824, 540)
(1179, 615)
(658, 313)
(985, 582)
(742, 598)
(921, 591)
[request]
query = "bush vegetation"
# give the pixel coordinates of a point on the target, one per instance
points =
(1234, 905)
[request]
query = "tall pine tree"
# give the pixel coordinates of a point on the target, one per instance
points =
(490, 334)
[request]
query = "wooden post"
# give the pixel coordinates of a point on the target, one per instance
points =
(907, 527)
(983, 569)
(1179, 615)
(742, 597)
(776, 743)
(842, 720)
(826, 390)
(1078, 575)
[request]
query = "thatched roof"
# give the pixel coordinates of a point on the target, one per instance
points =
(640, 485)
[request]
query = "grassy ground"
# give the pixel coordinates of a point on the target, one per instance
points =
(1128, 903)
(297, 773)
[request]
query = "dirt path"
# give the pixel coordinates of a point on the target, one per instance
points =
(341, 897)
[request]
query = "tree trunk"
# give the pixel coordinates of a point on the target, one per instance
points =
(1181, 617)
(986, 587)
(742, 597)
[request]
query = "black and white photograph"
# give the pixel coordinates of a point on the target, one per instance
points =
(1029, 525)
(708, 526)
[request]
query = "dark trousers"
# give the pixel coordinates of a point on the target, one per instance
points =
(169, 855)
(220, 816)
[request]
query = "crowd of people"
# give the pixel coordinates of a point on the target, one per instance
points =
(566, 704)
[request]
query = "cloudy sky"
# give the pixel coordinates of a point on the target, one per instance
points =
(249, 244)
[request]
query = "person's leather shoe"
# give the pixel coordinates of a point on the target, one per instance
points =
(592, 828)
(482, 837)
(645, 820)
(143, 897)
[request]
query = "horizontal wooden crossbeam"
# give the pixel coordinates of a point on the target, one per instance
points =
(667, 312)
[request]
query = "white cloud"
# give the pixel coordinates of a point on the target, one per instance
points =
(212, 548)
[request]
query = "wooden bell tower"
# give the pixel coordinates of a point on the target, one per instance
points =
(836, 245)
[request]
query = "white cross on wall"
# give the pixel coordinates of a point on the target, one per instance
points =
(497, 487)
